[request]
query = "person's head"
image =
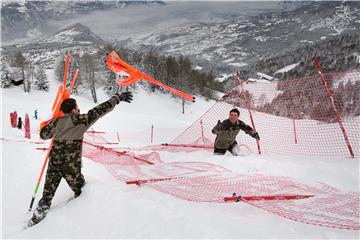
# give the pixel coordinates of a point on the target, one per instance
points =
(234, 115)
(69, 105)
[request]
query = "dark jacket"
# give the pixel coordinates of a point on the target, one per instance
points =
(20, 123)
(68, 131)
(226, 133)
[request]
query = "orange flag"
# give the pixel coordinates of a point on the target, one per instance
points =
(117, 65)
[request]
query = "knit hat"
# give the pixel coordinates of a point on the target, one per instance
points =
(67, 105)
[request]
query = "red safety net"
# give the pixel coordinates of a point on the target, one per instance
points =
(292, 117)
(206, 182)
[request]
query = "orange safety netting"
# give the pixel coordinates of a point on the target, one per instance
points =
(292, 117)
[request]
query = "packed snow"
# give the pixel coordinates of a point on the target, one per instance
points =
(109, 208)
(287, 68)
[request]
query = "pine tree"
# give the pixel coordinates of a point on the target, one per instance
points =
(41, 81)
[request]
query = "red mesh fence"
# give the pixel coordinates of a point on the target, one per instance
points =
(207, 182)
(97, 137)
(292, 117)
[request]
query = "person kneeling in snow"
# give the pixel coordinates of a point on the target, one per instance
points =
(227, 131)
(65, 156)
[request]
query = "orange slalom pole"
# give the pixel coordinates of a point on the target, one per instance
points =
(153, 180)
(61, 94)
(72, 83)
(247, 102)
(58, 95)
(294, 128)
(40, 177)
(266, 197)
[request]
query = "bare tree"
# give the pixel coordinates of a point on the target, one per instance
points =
(88, 68)
(20, 62)
(29, 71)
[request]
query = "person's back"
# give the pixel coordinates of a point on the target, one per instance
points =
(65, 161)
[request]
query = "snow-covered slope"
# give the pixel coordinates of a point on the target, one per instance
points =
(109, 208)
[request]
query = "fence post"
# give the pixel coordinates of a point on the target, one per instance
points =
(202, 130)
(152, 134)
(294, 126)
(338, 118)
(247, 102)
(118, 137)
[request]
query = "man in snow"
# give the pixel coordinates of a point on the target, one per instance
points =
(227, 131)
(65, 156)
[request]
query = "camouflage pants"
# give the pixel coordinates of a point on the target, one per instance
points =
(70, 170)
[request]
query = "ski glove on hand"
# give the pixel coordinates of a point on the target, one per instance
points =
(125, 97)
(218, 128)
(254, 134)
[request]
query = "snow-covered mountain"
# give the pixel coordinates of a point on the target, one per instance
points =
(219, 37)
(240, 40)
(77, 38)
(30, 19)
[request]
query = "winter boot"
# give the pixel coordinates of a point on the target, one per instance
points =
(39, 214)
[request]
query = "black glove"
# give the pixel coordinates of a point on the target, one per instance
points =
(217, 128)
(254, 134)
(125, 97)
(218, 124)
